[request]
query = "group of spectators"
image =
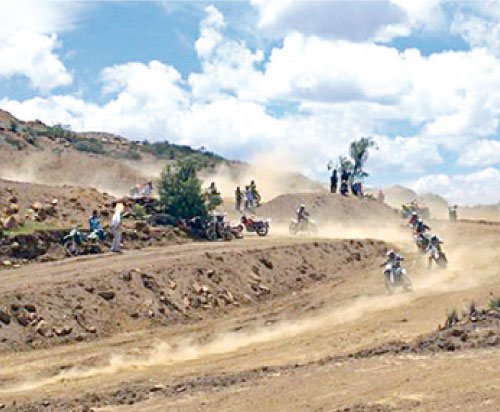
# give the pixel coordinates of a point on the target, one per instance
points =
(346, 182)
(249, 198)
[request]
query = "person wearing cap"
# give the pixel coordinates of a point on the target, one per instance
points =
(116, 228)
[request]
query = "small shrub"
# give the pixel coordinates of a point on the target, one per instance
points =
(130, 155)
(139, 212)
(15, 143)
(494, 303)
(90, 146)
(451, 319)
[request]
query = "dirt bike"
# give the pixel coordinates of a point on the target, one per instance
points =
(438, 256)
(394, 276)
(259, 226)
(307, 226)
(237, 229)
(216, 228)
(422, 241)
(77, 242)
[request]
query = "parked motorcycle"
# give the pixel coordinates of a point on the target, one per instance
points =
(77, 242)
(395, 275)
(237, 229)
(216, 228)
(307, 226)
(254, 225)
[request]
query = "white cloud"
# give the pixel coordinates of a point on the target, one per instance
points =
(481, 153)
(339, 91)
(359, 20)
(464, 189)
(478, 23)
(228, 66)
(28, 40)
(403, 155)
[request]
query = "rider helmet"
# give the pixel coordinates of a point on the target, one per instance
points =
(390, 254)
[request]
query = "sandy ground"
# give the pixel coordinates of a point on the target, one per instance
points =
(279, 354)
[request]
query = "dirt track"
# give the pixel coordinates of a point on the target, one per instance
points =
(278, 353)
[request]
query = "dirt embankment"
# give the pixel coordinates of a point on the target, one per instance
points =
(74, 204)
(47, 246)
(478, 330)
(175, 291)
(330, 208)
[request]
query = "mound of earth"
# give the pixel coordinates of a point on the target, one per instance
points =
(101, 301)
(74, 204)
(330, 208)
(483, 212)
(395, 196)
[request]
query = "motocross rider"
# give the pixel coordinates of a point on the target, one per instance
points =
(434, 248)
(95, 225)
(302, 214)
(413, 219)
(392, 261)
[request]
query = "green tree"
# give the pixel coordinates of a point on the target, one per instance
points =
(180, 191)
(359, 155)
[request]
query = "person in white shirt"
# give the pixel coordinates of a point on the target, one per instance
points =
(116, 228)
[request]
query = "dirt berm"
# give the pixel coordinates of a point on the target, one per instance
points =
(330, 208)
(175, 289)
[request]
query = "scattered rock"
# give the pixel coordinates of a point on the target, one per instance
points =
(30, 308)
(5, 316)
(157, 388)
(107, 294)
(127, 276)
(267, 263)
(64, 331)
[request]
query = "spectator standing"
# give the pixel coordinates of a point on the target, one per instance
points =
(334, 180)
(238, 197)
(116, 228)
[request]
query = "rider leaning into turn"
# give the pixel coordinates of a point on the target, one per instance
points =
(421, 227)
(434, 248)
(302, 214)
(392, 261)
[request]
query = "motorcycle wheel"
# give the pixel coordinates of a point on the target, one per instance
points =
(293, 229)
(406, 282)
(263, 230)
(227, 235)
(312, 229)
(388, 285)
(211, 234)
(71, 248)
(442, 261)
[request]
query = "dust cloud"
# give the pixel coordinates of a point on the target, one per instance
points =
(456, 278)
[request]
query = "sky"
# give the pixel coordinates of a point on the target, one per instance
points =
(289, 81)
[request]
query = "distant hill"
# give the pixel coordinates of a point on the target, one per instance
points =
(396, 195)
(31, 151)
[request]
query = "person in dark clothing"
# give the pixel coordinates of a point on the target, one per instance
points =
(238, 197)
(344, 177)
(343, 188)
(95, 225)
(334, 180)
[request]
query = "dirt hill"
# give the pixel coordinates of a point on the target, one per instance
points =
(330, 208)
(395, 196)
(38, 153)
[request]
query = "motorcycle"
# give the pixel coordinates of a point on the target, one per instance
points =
(307, 226)
(259, 226)
(438, 256)
(394, 276)
(77, 242)
(216, 228)
(237, 229)
(422, 241)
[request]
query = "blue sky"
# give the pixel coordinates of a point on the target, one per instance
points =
(292, 79)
